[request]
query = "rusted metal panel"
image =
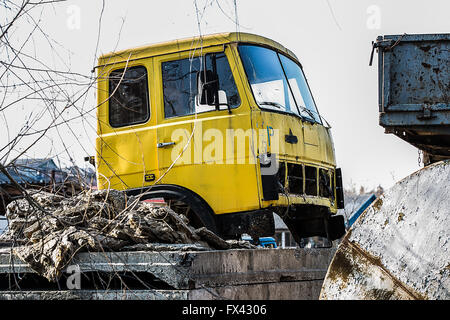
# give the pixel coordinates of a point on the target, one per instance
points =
(399, 248)
(413, 118)
(415, 71)
(414, 87)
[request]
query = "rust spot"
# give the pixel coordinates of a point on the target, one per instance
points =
(349, 234)
(380, 294)
(400, 216)
(377, 262)
(341, 267)
(377, 204)
(426, 65)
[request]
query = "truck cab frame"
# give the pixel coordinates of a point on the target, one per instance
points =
(225, 129)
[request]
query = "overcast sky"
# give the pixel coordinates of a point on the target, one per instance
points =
(332, 40)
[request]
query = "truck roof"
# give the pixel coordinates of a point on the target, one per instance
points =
(188, 44)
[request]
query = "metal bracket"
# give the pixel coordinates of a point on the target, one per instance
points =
(426, 114)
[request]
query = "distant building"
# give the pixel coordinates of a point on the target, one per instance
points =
(42, 174)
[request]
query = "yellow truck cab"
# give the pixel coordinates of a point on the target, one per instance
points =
(224, 129)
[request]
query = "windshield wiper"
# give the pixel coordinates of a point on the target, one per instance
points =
(280, 106)
(273, 104)
(308, 112)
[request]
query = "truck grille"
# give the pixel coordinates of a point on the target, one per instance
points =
(306, 180)
(311, 181)
(295, 178)
(325, 185)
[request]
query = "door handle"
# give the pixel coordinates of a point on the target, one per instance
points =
(165, 144)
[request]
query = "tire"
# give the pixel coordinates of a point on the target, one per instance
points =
(182, 201)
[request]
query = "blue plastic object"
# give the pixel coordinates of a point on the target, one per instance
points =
(265, 242)
(361, 209)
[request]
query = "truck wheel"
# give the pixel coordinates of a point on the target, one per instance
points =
(185, 209)
(182, 201)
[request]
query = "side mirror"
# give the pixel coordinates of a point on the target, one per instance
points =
(205, 108)
(223, 101)
(208, 88)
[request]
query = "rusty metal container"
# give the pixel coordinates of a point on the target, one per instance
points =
(414, 90)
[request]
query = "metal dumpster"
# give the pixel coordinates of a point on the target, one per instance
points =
(414, 91)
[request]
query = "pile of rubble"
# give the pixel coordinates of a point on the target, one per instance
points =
(51, 229)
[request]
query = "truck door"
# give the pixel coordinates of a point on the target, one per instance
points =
(126, 126)
(200, 110)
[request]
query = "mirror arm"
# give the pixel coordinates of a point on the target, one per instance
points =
(216, 100)
(216, 92)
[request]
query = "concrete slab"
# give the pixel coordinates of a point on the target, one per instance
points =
(296, 290)
(222, 274)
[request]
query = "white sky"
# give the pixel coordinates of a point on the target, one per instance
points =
(332, 40)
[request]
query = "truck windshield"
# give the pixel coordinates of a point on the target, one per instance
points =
(277, 82)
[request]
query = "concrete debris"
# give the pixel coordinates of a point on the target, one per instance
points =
(261, 274)
(158, 247)
(54, 228)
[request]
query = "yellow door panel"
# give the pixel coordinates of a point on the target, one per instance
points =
(126, 155)
(128, 158)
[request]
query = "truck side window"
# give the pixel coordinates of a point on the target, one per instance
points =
(129, 103)
(226, 81)
(180, 87)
